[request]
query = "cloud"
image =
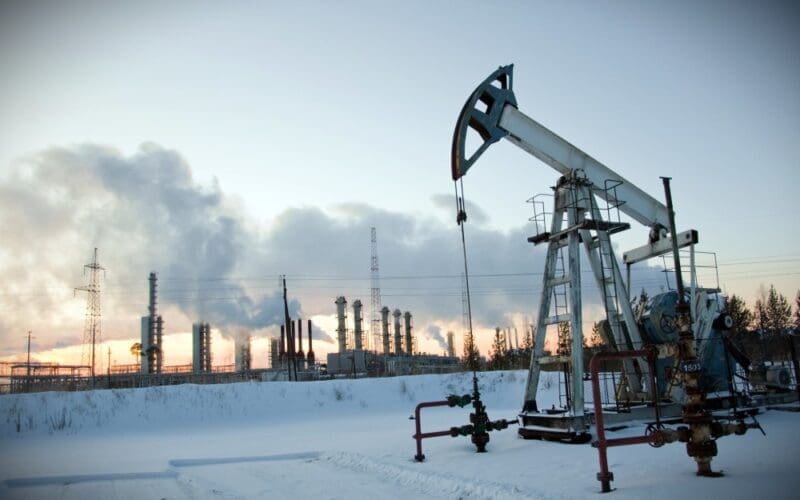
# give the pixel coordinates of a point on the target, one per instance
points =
(145, 212)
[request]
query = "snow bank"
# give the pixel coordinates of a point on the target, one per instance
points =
(268, 402)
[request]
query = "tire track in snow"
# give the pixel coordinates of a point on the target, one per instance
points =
(432, 483)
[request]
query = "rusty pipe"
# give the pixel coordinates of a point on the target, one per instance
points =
(419, 435)
(602, 444)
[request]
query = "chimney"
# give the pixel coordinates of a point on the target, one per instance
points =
(385, 326)
(301, 357)
(398, 340)
(409, 343)
(310, 348)
(341, 330)
(357, 320)
(451, 347)
(282, 352)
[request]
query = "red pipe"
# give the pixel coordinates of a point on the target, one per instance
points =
(419, 436)
(605, 476)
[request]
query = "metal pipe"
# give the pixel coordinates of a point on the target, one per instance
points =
(419, 436)
(602, 444)
(701, 447)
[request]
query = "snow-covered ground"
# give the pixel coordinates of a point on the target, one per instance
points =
(345, 439)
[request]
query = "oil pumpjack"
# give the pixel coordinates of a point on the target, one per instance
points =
(586, 197)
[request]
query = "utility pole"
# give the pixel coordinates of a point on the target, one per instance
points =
(92, 327)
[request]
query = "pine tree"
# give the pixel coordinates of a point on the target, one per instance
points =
(741, 315)
(596, 337)
(499, 352)
(527, 340)
(471, 353)
(778, 311)
(760, 316)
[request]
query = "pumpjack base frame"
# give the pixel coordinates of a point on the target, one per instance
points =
(554, 427)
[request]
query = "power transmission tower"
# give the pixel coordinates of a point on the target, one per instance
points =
(92, 326)
(375, 329)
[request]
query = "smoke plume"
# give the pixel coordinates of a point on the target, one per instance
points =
(433, 332)
(145, 212)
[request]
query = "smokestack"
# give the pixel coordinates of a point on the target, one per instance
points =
(149, 343)
(341, 330)
(310, 347)
(282, 352)
(301, 357)
(451, 347)
(385, 326)
(516, 338)
(292, 351)
(289, 332)
(409, 343)
(398, 341)
(357, 319)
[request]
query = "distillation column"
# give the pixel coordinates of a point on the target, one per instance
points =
(357, 320)
(385, 325)
(409, 344)
(341, 330)
(398, 340)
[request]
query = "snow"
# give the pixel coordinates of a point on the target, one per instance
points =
(345, 439)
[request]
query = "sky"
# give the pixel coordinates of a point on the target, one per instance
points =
(223, 145)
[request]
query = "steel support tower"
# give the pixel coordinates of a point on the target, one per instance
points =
(375, 305)
(92, 327)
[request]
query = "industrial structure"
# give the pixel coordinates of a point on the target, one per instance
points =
(675, 354)
(451, 346)
(152, 333)
(385, 331)
(201, 348)
(92, 332)
(375, 292)
(393, 358)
